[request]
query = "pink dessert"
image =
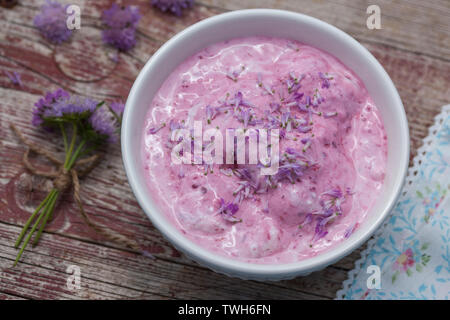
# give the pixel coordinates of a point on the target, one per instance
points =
(332, 156)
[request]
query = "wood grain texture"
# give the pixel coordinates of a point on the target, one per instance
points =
(413, 46)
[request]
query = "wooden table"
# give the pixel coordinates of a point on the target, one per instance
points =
(413, 45)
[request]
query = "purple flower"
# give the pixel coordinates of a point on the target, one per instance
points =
(293, 82)
(211, 113)
(265, 86)
(174, 125)
(317, 99)
(122, 39)
(274, 106)
(304, 129)
(117, 107)
(331, 201)
(120, 25)
(293, 166)
(303, 107)
(308, 220)
(72, 106)
(325, 79)
(246, 116)
(244, 174)
(121, 17)
(154, 130)
(273, 122)
(349, 230)
(307, 143)
(320, 230)
(46, 106)
(14, 77)
(233, 75)
(308, 101)
(334, 193)
(290, 171)
(227, 210)
(173, 6)
(286, 121)
(51, 22)
(294, 78)
(104, 124)
(243, 191)
(96, 122)
(296, 96)
(234, 103)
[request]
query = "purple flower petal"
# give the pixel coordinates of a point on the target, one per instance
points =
(104, 124)
(15, 78)
(121, 17)
(120, 23)
(118, 108)
(51, 22)
(122, 39)
(227, 210)
(350, 230)
(173, 6)
(325, 80)
(154, 130)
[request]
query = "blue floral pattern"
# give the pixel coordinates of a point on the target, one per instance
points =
(412, 248)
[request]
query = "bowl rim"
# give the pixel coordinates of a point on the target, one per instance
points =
(228, 265)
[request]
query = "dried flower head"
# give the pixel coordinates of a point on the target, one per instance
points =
(227, 210)
(121, 17)
(104, 124)
(95, 122)
(51, 22)
(46, 105)
(173, 6)
(120, 26)
(122, 39)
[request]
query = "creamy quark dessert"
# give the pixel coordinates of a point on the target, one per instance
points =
(331, 159)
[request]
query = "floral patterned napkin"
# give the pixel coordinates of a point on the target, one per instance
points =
(411, 252)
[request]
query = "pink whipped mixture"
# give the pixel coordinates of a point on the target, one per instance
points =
(333, 150)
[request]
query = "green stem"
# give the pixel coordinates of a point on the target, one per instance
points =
(50, 207)
(27, 224)
(72, 145)
(63, 131)
(75, 155)
(86, 151)
(33, 229)
(119, 119)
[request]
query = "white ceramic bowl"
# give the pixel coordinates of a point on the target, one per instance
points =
(272, 23)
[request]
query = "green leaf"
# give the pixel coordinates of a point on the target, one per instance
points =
(394, 276)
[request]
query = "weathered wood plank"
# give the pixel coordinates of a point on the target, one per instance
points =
(6, 296)
(111, 273)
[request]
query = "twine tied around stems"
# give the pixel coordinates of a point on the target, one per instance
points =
(63, 179)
